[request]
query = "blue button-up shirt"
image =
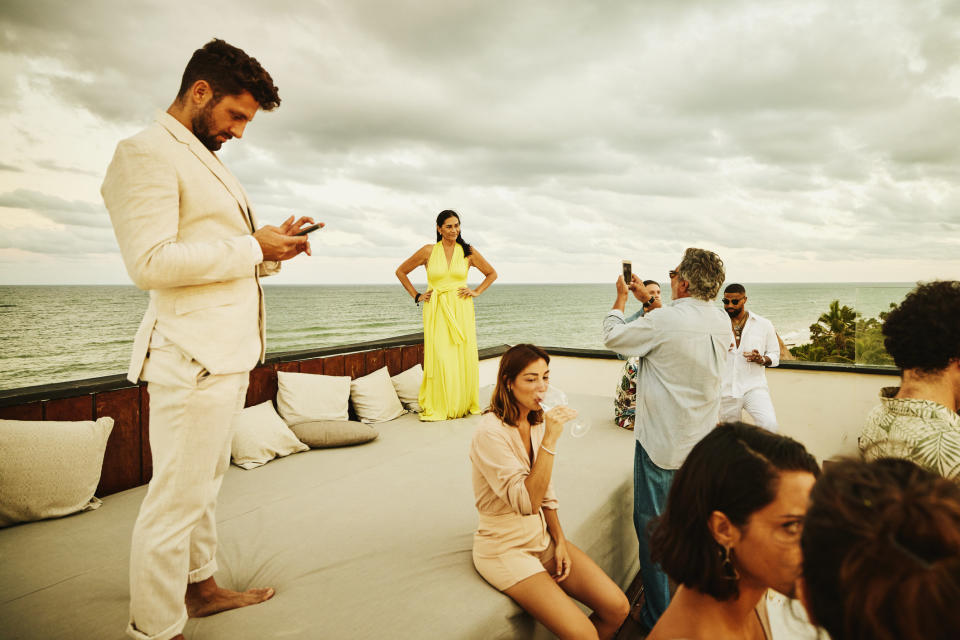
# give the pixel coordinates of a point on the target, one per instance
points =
(683, 349)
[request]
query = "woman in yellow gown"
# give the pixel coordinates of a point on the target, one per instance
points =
(450, 387)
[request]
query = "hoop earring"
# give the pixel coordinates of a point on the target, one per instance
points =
(729, 571)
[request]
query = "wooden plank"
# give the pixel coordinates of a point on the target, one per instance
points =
(289, 367)
(420, 354)
(122, 461)
(353, 364)
(411, 356)
(394, 360)
(79, 408)
(313, 365)
(374, 360)
(29, 411)
(263, 385)
(146, 458)
(333, 366)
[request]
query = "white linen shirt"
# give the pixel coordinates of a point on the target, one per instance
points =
(683, 349)
(742, 376)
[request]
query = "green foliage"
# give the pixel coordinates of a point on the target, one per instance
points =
(844, 335)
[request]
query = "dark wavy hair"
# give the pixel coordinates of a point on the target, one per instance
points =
(881, 552)
(512, 363)
(736, 470)
(450, 213)
(924, 331)
(229, 71)
(735, 288)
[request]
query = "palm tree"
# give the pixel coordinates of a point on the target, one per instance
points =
(836, 328)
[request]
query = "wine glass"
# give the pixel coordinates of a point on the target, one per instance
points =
(556, 398)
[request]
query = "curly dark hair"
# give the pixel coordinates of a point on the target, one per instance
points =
(881, 552)
(924, 331)
(230, 72)
(736, 470)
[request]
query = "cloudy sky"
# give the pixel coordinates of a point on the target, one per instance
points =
(810, 141)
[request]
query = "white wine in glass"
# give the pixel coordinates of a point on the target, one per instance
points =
(555, 398)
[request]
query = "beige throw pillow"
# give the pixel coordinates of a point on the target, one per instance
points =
(407, 385)
(259, 436)
(333, 433)
(306, 397)
(374, 398)
(50, 468)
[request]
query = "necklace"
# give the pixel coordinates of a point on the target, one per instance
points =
(738, 328)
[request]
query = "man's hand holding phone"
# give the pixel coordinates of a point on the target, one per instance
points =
(287, 240)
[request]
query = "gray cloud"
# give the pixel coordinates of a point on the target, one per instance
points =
(72, 241)
(812, 130)
(73, 212)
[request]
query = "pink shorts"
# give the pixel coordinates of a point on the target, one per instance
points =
(509, 548)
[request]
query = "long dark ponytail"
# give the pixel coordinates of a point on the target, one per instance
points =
(450, 213)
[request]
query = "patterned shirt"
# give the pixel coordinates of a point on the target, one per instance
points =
(923, 431)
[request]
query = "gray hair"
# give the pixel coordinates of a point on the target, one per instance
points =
(704, 272)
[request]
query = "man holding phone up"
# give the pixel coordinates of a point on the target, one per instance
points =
(683, 351)
(188, 235)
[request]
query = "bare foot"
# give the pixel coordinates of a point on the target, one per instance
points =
(206, 598)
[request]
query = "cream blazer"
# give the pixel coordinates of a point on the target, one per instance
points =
(184, 226)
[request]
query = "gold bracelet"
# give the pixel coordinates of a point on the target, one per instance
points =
(553, 453)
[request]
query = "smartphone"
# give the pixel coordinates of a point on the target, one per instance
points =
(309, 229)
(627, 268)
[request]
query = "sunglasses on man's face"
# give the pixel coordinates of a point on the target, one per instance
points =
(731, 302)
(673, 273)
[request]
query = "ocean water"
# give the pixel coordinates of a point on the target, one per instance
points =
(59, 333)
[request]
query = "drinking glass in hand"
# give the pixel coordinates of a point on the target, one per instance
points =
(555, 398)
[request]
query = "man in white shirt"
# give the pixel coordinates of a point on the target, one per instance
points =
(683, 349)
(756, 347)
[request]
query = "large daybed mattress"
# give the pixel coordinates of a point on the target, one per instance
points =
(371, 541)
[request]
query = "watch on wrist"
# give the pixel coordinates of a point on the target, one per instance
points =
(416, 298)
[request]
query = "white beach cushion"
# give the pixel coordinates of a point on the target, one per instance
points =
(260, 435)
(374, 398)
(407, 385)
(324, 434)
(307, 397)
(50, 468)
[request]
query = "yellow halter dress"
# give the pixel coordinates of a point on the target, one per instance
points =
(450, 365)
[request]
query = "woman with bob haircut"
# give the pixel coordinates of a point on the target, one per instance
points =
(731, 531)
(881, 552)
(450, 361)
(519, 547)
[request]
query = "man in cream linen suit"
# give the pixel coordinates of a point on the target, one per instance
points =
(187, 234)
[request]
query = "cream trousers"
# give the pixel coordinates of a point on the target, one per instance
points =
(175, 536)
(756, 402)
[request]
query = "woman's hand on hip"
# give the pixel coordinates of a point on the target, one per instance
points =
(425, 297)
(467, 292)
(562, 558)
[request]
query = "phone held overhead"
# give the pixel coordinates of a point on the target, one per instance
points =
(627, 271)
